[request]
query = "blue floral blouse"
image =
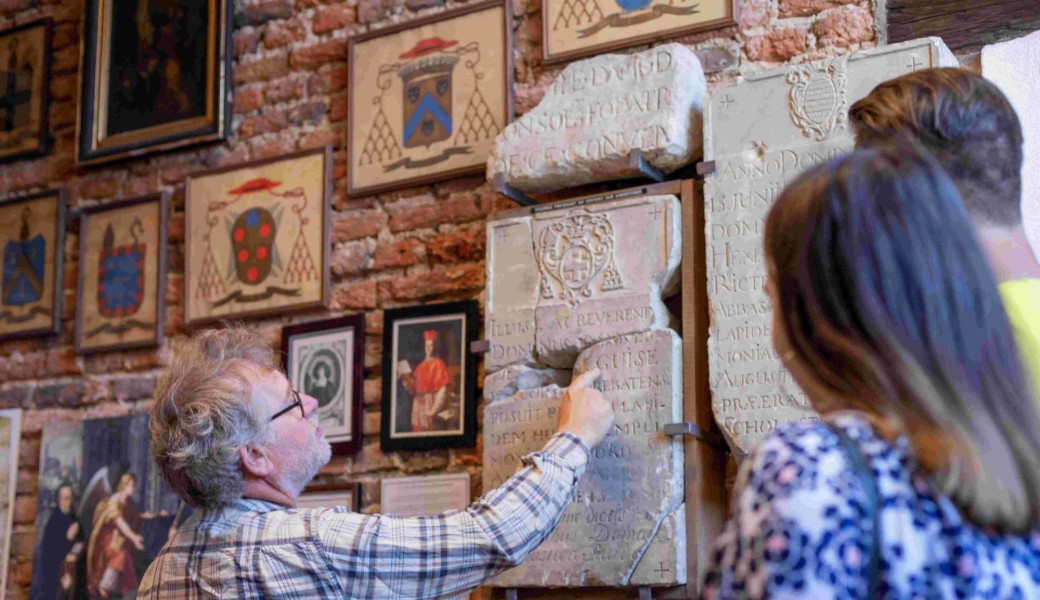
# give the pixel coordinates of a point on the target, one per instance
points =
(799, 528)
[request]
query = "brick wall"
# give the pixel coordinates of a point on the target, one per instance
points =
(418, 245)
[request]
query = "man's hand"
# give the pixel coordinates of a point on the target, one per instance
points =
(584, 411)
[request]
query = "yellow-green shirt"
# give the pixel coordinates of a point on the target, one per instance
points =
(1022, 302)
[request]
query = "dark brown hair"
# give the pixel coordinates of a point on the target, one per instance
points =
(888, 302)
(968, 126)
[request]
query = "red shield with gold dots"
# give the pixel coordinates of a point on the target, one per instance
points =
(252, 238)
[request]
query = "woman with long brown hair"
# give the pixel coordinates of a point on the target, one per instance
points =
(923, 480)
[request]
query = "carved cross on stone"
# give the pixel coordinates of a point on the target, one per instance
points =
(655, 211)
(915, 63)
(726, 101)
(576, 270)
(661, 570)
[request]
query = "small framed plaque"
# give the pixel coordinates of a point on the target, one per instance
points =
(32, 240)
(429, 377)
(25, 64)
(424, 496)
(330, 495)
(325, 360)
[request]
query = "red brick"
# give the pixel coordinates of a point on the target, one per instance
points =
(755, 13)
(141, 185)
(175, 228)
(424, 211)
(24, 510)
(372, 390)
(176, 173)
(320, 138)
(248, 100)
(335, 80)
(370, 11)
(65, 60)
(283, 34)
(264, 69)
(245, 41)
(63, 36)
(841, 28)
(333, 17)
(417, 5)
(338, 108)
(398, 254)
(776, 46)
(357, 224)
(461, 246)
(285, 89)
(309, 113)
(237, 156)
(354, 295)
(100, 187)
(16, 397)
(423, 462)
(269, 121)
(63, 361)
(450, 280)
(21, 574)
(284, 144)
(136, 387)
(350, 259)
(374, 322)
(29, 452)
(262, 12)
(174, 289)
(130, 360)
(470, 457)
(369, 459)
(371, 422)
(804, 8)
(312, 57)
(22, 543)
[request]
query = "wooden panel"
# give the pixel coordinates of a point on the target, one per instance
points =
(965, 25)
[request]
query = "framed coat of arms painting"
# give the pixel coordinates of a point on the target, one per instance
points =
(154, 77)
(122, 275)
(25, 58)
(32, 240)
(258, 237)
(576, 28)
(427, 98)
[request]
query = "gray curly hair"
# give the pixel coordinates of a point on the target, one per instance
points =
(204, 413)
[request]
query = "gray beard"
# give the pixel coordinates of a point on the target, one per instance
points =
(301, 468)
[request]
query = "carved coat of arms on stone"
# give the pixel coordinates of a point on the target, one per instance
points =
(818, 97)
(576, 253)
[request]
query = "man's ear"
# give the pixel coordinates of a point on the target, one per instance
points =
(255, 461)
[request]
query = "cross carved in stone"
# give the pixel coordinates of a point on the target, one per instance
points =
(662, 570)
(726, 101)
(915, 63)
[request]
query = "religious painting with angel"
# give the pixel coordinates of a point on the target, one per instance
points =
(325, 360)
(429, 377)
(122, 275)
(427, 98)
(258, 237)
(104, 511)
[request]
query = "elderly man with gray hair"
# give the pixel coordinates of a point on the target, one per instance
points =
(236, 441)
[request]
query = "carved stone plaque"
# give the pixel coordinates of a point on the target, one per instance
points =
(600, 109)
(562, 280)
(626, 525)
(761, 133)
(514, 378)
(1014, 66)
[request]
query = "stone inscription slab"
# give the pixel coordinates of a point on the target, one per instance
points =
(514, 378)
(562, 280)
(1015, 67)
(600, 109)
(626, 525)
(761, 133)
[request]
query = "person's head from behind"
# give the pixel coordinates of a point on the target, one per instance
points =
(965, 122)
(220, 421)
(884, 303)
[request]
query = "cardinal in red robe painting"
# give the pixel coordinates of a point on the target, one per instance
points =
(431, 386)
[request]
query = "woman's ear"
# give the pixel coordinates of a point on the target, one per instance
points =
(255, 461)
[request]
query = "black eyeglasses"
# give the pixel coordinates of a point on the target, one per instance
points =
(298, 402)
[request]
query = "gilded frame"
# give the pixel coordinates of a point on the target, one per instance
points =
(96, 144)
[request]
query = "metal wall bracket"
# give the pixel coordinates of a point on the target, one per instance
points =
(498, 183)
(479, 346)
(705, 168)
(637, 161)
(690, 429)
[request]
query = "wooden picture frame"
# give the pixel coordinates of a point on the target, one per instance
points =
(25, 56)
(414, 80)
(31, 286)
(277, 212)
(326, 360)
(153, 80)
(427, 364)
(578, 28)
(329, 495)
(10, 438)
(122, 275)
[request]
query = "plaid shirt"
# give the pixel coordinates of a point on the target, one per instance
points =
(258, 549)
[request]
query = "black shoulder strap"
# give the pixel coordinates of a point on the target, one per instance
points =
(862, 470)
